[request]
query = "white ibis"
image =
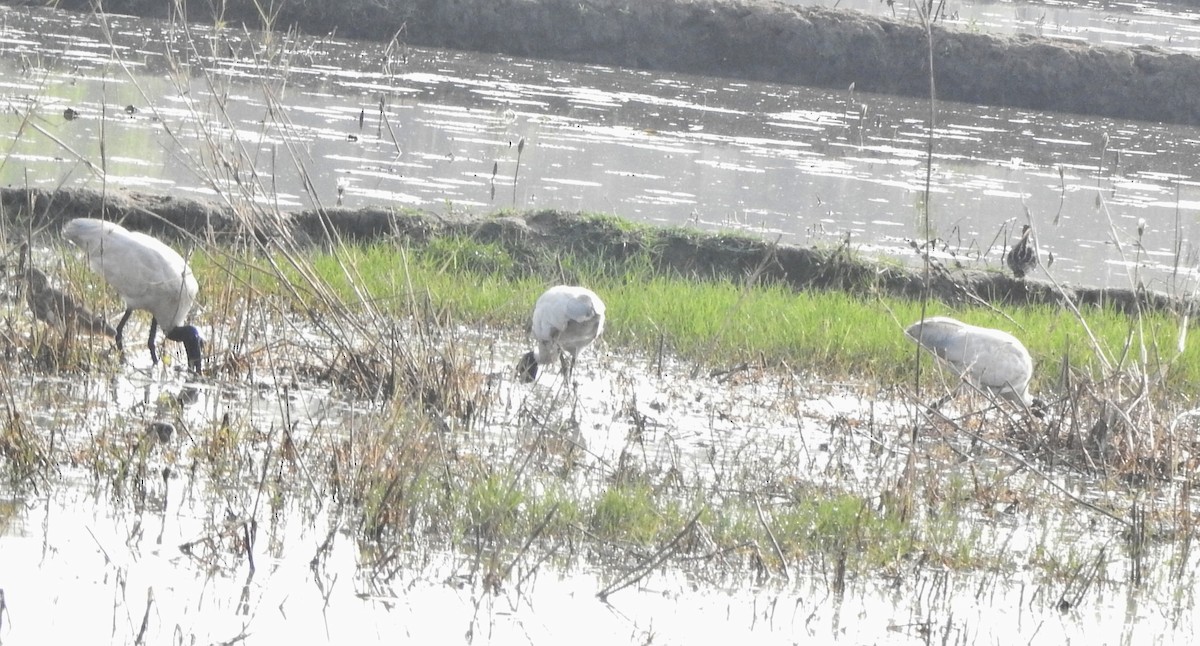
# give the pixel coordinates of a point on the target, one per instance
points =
(148, 275)
(992, 359)
(1022, 257)
(566, 319)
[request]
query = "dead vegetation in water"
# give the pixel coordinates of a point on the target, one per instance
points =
(1104, 429)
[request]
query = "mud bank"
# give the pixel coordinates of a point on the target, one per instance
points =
(756, 40)
(537, 238)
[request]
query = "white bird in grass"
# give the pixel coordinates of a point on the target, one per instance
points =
(566, 319)
(148, 275)
(993, 360)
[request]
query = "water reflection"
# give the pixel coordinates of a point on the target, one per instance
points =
(133, 585)
(795, 163)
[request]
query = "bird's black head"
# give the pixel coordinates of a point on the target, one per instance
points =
(527, 367)
(189, 336)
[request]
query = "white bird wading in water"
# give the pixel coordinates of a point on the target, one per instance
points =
(992, 359)
(148, 275)
(566, 319)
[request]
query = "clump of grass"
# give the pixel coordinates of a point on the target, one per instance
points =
(492, 504)
(49, 351)
(627, 512)
(224, 450)
(720, 321)
(461, 254)
(116, 454)
(25, 456)
(841, 529)
(396, 480)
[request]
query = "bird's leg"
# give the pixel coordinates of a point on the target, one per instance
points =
(153, 331)
(121, 331)
(569, 366)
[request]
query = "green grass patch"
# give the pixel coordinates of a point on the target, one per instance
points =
(628, 512)
(714, 321)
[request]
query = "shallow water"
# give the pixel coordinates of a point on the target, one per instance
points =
(110, 575)
(113, 561)
(802, 165)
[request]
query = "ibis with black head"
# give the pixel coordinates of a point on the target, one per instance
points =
(148, 275)
(566, 319)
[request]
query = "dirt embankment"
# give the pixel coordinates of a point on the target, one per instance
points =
(758, 40)
(536, 239)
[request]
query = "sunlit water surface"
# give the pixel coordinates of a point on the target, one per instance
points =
(75, 577)
(296, 124)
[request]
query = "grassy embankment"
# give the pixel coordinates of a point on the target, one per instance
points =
(717, 323)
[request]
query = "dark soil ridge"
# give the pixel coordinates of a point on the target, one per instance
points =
(537, 238)
(761, 40)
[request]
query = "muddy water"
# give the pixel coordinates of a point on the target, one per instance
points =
(296, 124)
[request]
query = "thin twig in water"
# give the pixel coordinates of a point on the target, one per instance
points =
(140, 639)
(633, 576)
(529, 541)
(1062, 193)
(774, 543)
(517, 170)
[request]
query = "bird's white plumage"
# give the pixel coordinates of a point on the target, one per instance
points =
(992, 359)
(147, 274)
(566, 318)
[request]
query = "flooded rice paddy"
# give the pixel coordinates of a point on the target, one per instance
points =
(306, 122)
(243, 524)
